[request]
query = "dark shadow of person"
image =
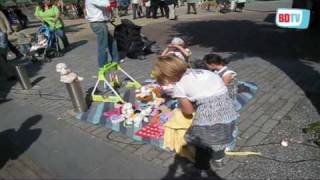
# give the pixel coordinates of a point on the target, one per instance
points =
(183, 169)
(13, 142)
(77, 44)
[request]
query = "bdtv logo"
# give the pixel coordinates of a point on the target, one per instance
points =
(293, 18)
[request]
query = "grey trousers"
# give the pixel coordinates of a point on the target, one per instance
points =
(172, 13)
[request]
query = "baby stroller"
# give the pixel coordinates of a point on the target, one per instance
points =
(50, 49)
(130, 42)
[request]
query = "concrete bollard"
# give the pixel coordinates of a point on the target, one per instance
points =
(72, 81)
(23, 77)
(77, 96)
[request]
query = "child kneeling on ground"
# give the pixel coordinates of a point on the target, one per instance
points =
(177, 48)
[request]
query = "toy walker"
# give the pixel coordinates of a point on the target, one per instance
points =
(113, 84)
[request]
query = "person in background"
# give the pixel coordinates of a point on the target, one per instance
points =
(50, 15)
(147, 4)
(11, 47)
(154, 8)
(114, 9)
(192, 3)
(97, 15)
(5, 29)
(202, 92)
(23, 19)
(171, 7)
(164, 8)
(136, 10)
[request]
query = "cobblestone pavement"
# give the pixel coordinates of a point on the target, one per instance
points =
(23, 168)
(286, 101)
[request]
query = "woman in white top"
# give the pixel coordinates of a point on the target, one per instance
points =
(204, 93)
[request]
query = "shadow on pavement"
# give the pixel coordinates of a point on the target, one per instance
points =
(186, 170)
(37, 80)
(295, 52)
(77, 44)
(13, 142)
(73, 28)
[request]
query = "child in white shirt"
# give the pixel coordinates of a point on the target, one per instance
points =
(41, 43)
(177, 48)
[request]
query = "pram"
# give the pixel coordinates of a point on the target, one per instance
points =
(130, 42)
(50, 50)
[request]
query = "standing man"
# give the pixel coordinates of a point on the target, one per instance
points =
(171, 6)
(193, 4)
(97, 15)
(154, 8)
(135, 8)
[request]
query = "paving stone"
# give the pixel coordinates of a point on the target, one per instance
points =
(92, 128)
(124, 139)
(84, 125)
(157, 161)
(119, 144)
(281, 113)
(116, 137)
(254, 107)
(295, 99)
(256, 139)
(144, 149)
(25, 172)
(137, 145)
(245, 123)
(240, 142)
(165, 155)
(228, 168)
(264, 98)
(269, 125)
(97, 131)
(4, 174)
(262, 120)
(274, 98)
(12, 170)
(168, 162)
(130, 149)
(103, 134)
(151, 155)
(255, 115)
(78, 124)
(249, 132)
(39, 171)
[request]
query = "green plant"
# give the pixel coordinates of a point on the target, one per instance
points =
(313, 129)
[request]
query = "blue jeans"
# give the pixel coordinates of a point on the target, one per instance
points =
(62, 35)
(5, 68)
(101, 31)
